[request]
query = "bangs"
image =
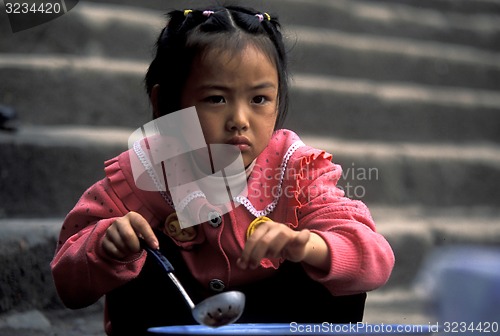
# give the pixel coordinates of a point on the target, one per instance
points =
(231, 43)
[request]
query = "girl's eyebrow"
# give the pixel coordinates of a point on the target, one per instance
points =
(265, 85)
(218, 87)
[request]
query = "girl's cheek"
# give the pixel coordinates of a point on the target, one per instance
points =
(209, 129)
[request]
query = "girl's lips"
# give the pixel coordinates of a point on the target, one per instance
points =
(241, 142)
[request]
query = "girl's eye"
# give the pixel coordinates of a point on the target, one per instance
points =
(259, 100)
(215, 100)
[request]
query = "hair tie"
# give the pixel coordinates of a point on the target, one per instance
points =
(261, 17)
(187, 11)
(207, 13)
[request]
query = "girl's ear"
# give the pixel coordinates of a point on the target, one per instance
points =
(155, 92)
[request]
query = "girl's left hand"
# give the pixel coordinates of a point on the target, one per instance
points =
(274, 240)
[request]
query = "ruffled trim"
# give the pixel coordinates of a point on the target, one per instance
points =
(126, 193)
(144, 160)
(305, 161)
(243, 200)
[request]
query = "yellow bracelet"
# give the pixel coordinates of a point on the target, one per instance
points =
(255, 223)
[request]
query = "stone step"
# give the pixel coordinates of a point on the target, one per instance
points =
(399, 19)
(459, 6)
(471, 22)
(90, 29)
(392, 111)
(75, 90)
(83, 90)
(382, 58)
(415, 231)
(45, 169)
(434, 174)
(398, 306)
(27, 247)
(124, 33)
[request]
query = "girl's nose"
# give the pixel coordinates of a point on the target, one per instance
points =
(237, 120)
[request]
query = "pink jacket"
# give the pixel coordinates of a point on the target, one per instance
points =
(301, 193)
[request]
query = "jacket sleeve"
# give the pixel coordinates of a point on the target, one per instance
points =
(361, 258)
(81, 270)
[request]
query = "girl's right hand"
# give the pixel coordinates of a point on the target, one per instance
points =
(122, 237)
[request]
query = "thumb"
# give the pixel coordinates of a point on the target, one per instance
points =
(143, 230)
(302, 238)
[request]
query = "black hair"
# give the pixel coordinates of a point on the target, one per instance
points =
(193, 32)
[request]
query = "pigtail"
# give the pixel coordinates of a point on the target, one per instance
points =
(167, 68)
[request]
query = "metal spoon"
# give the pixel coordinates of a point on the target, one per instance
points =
(215, 311)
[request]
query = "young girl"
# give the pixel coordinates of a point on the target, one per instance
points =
(298, 249)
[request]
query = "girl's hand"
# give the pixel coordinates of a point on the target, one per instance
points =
(122, 237)
(274, 240)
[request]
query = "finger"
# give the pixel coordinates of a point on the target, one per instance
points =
(302, 238)
(252, 241)
(128, 236)
(259, 251)
(114, 238)
(269, 244)
(110, 248)
(275, 241)
(143, 229)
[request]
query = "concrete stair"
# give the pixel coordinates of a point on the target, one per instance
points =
(404, 95)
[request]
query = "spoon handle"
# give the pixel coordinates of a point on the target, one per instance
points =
(158, 256)
(167, 266)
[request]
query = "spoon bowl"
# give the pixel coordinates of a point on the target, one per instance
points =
(215, 311)
(221, 309)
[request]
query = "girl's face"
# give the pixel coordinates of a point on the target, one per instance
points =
(236, 96)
